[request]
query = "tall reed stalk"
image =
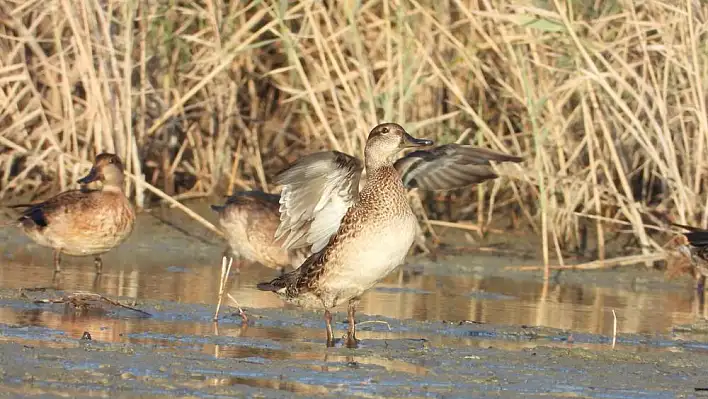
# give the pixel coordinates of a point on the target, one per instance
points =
(606, 101)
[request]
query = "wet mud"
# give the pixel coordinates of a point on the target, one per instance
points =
(466, 324)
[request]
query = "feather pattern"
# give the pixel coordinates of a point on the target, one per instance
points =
(449, 166)
(697, 248)
(80, 222)
(317, 191)
(319, 188)
(358, 238)
(249, 220)
(89, 221)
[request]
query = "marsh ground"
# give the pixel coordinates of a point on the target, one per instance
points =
(466, 324)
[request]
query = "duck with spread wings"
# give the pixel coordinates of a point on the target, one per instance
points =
(697, 251)
(357, 237)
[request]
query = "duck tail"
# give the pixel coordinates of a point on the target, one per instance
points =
(278, 283)
(13, 206)
(269, 286)
(689, 228)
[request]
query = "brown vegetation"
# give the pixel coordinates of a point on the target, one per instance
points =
(605, 100)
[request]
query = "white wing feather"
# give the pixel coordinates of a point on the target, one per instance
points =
(317, 192)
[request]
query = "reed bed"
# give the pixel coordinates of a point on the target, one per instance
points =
(605, 100)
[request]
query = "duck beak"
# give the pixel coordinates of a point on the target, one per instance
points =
(90, 177)
(410, 141)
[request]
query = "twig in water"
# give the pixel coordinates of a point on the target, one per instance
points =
(466, 226)
(614, 329)
(490, 249)
(470, 322)
(240, 311)
(225, 270)
(375, 321)
(620, 261)
(34, 289)
(81, 299)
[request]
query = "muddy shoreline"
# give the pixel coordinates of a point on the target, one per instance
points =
(463, 325)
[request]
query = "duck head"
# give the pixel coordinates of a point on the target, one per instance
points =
(107, 169)
(385, 141)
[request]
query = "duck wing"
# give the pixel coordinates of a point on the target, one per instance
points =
(254, 199)
(449, 166)
(697, 239)
(696, 236)
(317, 192)
(39, 215)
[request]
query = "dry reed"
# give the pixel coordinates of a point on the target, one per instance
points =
(225, 271)
(614, 329)
(605, 100)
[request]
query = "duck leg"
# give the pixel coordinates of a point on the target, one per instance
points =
(328, 322)
(96, 282)
(419, 242)
(700, 284)
(99, 264)
(57, 260)
(700, 288)
(57, 267)
(352, 342)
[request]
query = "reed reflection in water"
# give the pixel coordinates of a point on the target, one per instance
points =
(402, 295)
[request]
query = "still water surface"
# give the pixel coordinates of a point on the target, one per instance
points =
(452, 331)
(409, 293)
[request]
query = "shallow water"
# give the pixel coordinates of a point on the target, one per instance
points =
(415, 292)
(426, 322)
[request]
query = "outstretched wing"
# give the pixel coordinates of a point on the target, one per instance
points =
(449, 166)
(696, 236)
(317, 192)
(697, 248)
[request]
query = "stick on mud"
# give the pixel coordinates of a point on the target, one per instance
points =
(614, 328)
(240, 311)
(225, 270)
(83, 299)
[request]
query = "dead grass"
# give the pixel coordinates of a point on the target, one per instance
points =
(605, 102)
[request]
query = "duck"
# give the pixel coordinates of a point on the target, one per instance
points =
(697, 251)
(249, 220)
(89, 221)
(358, 236)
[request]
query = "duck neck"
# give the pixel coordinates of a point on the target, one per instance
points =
(112, 188)
(383, 185)
(376, 160)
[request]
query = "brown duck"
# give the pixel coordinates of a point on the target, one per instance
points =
(697, 251)
(357, 237)
(86, 222)
(250, 219)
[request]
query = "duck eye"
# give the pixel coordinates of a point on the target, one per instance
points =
(384, 130)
